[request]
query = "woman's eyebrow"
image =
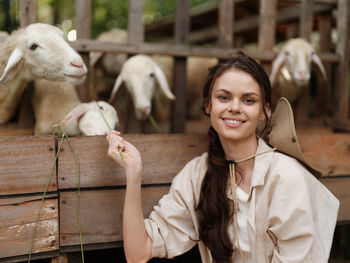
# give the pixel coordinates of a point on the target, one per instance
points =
(251, 94)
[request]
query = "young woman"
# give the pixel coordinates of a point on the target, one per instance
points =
(242, 201)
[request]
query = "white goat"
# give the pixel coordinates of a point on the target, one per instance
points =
(140, 72)
(290, 72)
(37, 51)
(57, 102)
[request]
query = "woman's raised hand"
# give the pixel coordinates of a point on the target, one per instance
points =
(132, 158)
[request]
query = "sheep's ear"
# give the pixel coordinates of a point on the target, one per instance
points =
(118, 82)
(276, 66)
(12, 65)
(316, 59)
(75, 113)
(94, 58)
(163, 83)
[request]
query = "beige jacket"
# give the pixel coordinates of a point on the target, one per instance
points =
(291, 216)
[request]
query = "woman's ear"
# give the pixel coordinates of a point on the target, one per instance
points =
(266, 109)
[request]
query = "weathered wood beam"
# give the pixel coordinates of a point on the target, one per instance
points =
(225, 23)
(341, 101)
(176, 50)
(135, 25)
(27, 9)
(83, 27)
(178, 107)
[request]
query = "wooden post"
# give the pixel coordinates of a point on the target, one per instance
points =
(26, 114)
(135, 25)
(324, 86)
(226, 23)
(27, 12)
(83, 27)
(305, 25)
(305, 29)
(267, 28)
(182, 26)
(341, 101)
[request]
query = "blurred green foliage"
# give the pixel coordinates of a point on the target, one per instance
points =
(106, 14)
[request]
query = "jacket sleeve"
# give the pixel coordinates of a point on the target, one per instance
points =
(290, 220)
(171, 223)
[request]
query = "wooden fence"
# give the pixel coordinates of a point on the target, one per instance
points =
(266, 22)
(24, 173)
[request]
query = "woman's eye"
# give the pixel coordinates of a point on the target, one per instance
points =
(222, 98)
(248, 101)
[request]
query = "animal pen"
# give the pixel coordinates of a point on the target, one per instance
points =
(26, 160)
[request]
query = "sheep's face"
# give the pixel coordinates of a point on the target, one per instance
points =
(298, 61)
(141, 89)
(47, 55)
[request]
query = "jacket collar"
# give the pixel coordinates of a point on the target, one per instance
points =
(262, 164)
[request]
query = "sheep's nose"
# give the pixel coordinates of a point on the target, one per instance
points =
(145, 111)
(77, 64)
(302, 74)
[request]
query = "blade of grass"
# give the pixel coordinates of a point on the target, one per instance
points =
(42, 200)
(78, 202)
(153, 123)
(109, 128)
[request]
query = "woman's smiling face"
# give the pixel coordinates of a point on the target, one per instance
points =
(235, 106)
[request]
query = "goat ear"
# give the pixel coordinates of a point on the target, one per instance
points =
(163, 83)
(276, 66)
(118, 82)
(12, 65)
(75, 113)
(316, 59)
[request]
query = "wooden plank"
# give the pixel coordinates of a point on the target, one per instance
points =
(226, 25)
(135, 24)
(305, 24)
(182, 28)
(329, 152)
(83, 27)
(101, 214)
(27, 9)
(267, 25)
(98, 170)
(339, 186)
(26, 163)
(83, 18)
(341, 101)
(86, 45)
(17, 222)
(324, 102)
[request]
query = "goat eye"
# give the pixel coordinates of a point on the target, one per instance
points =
(151, 74)
(100, 107)
(33, 46)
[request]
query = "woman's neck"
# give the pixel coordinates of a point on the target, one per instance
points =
(238, 150)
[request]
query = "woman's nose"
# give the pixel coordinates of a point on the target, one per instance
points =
(235, 105)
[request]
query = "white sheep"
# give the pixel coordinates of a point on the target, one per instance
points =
(140, 72)
(57, 102)
(37, 51)
(290, 72)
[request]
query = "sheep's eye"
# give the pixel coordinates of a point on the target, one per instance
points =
(33, 46)
(100, 107)
(287, 53)
(151, 75)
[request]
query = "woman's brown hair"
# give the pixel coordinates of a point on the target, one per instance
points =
(214, 210)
